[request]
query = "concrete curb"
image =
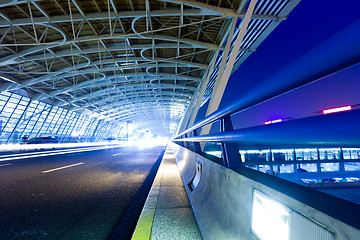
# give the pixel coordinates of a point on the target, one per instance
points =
(144, 225)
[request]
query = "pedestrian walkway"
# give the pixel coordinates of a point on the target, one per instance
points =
(167, 213)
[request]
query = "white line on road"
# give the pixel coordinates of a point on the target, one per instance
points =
(116, 154)
(8, 164)
(68, 166)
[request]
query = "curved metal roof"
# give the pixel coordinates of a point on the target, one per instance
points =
(123, 59)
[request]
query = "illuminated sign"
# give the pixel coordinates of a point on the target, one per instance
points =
(335, 110)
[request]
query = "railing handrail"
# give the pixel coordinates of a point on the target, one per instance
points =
(211, 118)
(333, 130)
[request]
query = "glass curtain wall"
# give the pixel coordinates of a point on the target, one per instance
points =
(22, 117)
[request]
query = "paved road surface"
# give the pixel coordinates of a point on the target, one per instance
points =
(73, 195)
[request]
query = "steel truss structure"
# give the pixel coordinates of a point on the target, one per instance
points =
(140, 61)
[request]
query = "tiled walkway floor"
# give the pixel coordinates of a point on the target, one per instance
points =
(167, 213)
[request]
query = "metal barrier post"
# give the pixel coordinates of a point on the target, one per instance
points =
(341, 162)
(196, 144)
(230, 151)
(186, 143)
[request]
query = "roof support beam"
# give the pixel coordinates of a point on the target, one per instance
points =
(126, 95)
(108, 100)
(222, 79)
(201, 93)
(126, 14)
(187, 43)
(216, 10)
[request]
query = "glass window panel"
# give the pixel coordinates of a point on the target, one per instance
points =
(58, 125)
(323, 154)
(307, 155)
(346, 154)
(352, 166)
(333, 154)
(256, 156)
(329, 167)
(3, 97)
(13, 101)
(8, 128)
(38, 123)
(7, 113)
(33, 104)
(16, 114)
(276, 169)
(14, 119)
(72, 123)
(15, 96)
(309, 167)
(263, 168)
(24, 101)
(41, 104)
(354, 154)
(2, 103)
(213, 149)
(279, 156)
(329, 154)
(10, 105)
(286, 168)
(21, 107)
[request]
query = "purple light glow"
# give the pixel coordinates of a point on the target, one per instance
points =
(338, 109)
(273, 121)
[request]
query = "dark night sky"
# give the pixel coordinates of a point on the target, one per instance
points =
(311, 23)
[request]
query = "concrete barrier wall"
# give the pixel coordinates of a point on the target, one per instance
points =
(222, 200)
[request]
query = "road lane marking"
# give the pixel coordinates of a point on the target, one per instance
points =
(116, 154)
(60, 168)
(8, 164)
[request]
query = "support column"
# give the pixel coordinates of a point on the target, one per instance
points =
(271, 160)
(184, 120)
(196, 144)
(318, 164)
(186, 144)
(230, 151)
(295, 162)
(341, 162)
(223, 76)
(202, 92)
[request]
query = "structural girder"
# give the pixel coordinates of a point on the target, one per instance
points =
(94, 55)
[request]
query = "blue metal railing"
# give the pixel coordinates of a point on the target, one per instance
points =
(334, 130)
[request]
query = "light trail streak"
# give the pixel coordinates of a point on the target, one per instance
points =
(8, 164)
(52, 153)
